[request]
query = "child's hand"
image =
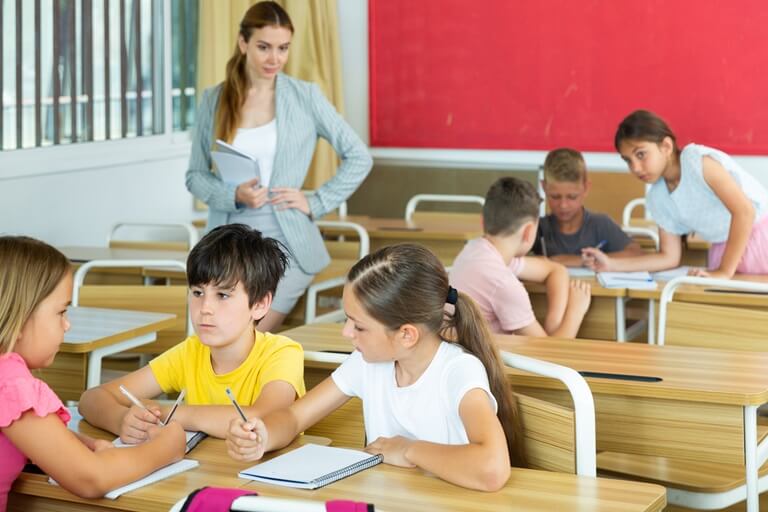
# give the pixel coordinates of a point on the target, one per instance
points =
(716, 274)
(579, 296)
(246, 441)
(137, 421)
(595, 259)
(171, 434)
(393, 449)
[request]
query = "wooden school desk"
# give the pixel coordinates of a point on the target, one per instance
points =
(95, 334)
(444, 233)
(389, 488)
(83, 254)
(702, 408)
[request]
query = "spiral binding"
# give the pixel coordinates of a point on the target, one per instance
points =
(347, 471)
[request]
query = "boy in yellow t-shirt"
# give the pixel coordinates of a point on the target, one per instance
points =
(232, 273)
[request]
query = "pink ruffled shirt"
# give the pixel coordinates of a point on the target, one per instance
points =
(20, 391)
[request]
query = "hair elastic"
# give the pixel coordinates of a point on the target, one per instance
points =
(453, 295)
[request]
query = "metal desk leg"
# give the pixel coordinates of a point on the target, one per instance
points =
(750, 455)
(651, 322)
(94, 358)
(621, 321)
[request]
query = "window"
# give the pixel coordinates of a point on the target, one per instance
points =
(74, 71)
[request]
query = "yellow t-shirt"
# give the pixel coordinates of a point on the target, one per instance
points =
(188, 366)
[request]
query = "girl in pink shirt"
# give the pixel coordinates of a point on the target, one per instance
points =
(35, 290)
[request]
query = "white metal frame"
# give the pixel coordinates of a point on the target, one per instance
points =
(410, 208)
(96, 356)
(191, 231)
(310, 310)
(653, 235)
(755, 454)
(583, 405)
(626, 214)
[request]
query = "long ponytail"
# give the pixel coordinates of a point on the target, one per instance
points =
(471, 332)
(407, 284)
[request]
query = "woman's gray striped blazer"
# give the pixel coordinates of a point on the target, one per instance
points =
(303, 114)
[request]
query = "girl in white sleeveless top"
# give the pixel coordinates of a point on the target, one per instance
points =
(694, 190)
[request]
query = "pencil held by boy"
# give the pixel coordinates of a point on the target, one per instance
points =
(232, 274)
(35, 291)
(432, 384)
(490, 269)
(570, 227)
(694, 189)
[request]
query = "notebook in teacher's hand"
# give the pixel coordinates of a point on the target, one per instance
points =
(632, 280)
(311, 466)
(234, 165)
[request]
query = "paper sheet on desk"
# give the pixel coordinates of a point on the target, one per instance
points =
(580, 272)
(668, 275)
(160, 474)
(633, 280)
(193, 438)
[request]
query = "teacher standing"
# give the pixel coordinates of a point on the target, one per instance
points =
(277, 120)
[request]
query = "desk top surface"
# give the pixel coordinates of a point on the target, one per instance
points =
(692, 374)
(389, 488)
(83, 254)
(96, 327)
(705, 295)
(429, 226)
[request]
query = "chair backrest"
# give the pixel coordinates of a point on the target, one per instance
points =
(354, 249)
(184, 236)
(554, 438)
(698, 321)
(413, 202)
(626, 214)
(548, 434)
(161, 299)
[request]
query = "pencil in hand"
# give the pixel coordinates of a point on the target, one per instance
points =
(231, 397)
(138, 403)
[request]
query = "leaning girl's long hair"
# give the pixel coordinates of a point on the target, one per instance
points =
(406, 284)
(29, 271)
(235, 87)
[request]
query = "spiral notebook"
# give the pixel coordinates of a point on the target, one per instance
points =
(311, 466)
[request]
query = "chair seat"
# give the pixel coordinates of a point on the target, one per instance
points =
(694, 476)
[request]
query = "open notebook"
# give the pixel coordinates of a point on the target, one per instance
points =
(311, 466)
(193, 439)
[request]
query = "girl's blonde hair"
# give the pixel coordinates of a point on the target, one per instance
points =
(29, 271)
(235, 87)
(407, 284)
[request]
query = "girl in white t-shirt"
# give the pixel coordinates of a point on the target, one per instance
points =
(694, 190)
(443, 406)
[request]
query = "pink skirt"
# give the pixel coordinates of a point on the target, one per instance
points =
(755, 257)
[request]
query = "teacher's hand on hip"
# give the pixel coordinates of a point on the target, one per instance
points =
(284, 198)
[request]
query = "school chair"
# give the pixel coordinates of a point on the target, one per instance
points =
(557, 438)
(344, 426)
(413, 202)
(708, 321)
(162, 299)
(176, 236)
(340, 251)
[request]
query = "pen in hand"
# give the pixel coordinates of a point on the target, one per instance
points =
(137, 403)
(237, 406)
(175, 405)
(601, 244)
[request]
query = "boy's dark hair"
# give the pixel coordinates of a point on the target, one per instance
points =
(565, 165)
(236, 252)
(509, 203)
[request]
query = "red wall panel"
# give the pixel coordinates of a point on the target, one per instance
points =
(522, 74)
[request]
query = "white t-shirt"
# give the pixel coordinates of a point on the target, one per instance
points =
(428, 409)
(261, 143)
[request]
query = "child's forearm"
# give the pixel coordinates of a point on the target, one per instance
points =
(283, 428)
(471, 465)
(557, 298)
(738, 238)
(101, 409)
(651, 262)
(569, 327)
(569, 260)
